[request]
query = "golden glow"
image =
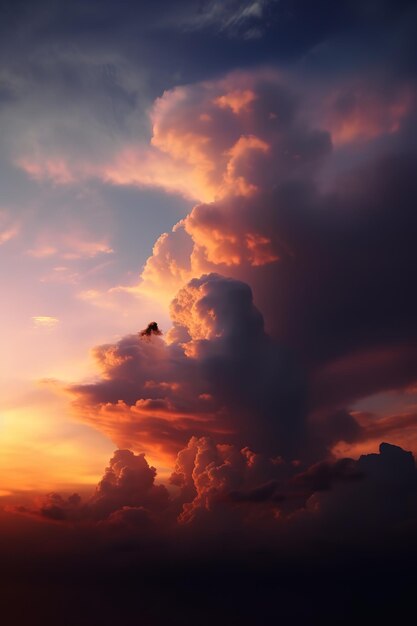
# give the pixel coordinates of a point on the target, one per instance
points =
(42, 449)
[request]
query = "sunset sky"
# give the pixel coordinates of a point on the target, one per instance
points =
(244, 174)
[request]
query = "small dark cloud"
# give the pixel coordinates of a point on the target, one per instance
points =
(151, 329)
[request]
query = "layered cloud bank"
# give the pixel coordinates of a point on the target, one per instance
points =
(217, 487)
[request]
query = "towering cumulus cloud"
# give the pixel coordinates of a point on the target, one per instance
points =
(290, 284)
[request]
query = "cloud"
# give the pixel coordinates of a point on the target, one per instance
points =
(8, 234)
(400, 428)
(128, 481)
(217, 372)
(358, 113)
(216, 480)
(319, 262)
(45, 321)
(9, 228)
(235, 19)
(126, 493)
(320, 266)
(384, 497)
(225, 135)
(56, 170)
(217, 488)
(152, 329)
(191, 151)
(69, 247)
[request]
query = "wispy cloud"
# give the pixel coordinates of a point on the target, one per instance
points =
(70, 248)
(45, 321)
(232, 18)
(9, 228)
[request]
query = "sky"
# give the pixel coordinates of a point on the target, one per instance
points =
(242, 173)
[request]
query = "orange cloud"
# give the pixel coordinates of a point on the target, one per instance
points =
(187, 162)
(237, 100)
(207, 142)
(170, 265)
(148, 167)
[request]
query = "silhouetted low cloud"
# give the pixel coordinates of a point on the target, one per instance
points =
(217, 485)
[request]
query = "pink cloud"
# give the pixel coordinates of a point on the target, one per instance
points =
(359, 114)
(58, 170)
(237, 100)
(209, 140)
(9, 228)
(69, 247)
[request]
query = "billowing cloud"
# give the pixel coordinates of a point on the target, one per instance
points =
(217, 373)
(127, 492)
(226, 525)
(209, 140)
(225, 137)
(215, 479)
(218, 487)
(321, 266)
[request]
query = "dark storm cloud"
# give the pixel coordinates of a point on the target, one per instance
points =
(348, 283)
(382, 498)
(340, 294)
